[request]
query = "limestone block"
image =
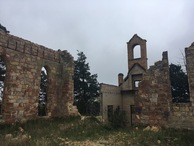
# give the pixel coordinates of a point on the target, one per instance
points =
(154, 98)
(177, 114)
(15, 104)
(12, 101)
(176, 108)
(20, 113)
(184, 109)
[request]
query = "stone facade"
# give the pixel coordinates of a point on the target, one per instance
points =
(182, 114)
(154, 95)
(126, 91)
(145, 94)
(111, 97)
(24, 61)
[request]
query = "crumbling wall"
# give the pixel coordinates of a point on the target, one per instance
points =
(154, 105)
(182, 114)
(150, 103)
(153, 101)
(189, 54)
(24, 61)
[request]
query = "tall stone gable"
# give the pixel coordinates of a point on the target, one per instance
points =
(24, 61)
(145, 94)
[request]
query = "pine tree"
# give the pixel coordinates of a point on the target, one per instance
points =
(179, 84)
(2, 77)
(42, 94)
(86, 87)
(2, 28)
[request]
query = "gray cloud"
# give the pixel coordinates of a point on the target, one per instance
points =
(101, 28)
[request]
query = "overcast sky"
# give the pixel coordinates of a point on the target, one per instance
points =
(101, 28)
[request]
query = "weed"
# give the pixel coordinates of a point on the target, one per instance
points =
(49, 132)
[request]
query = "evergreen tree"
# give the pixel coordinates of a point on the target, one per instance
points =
(2, 28)
(179, 84)
(42, 94)
(2, 77)
(86, 87)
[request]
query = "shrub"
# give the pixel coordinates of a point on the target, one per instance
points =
(118, 118)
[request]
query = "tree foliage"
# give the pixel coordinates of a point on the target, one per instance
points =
(179, 84)
(3, 28)
(118, 118)
(2, 77)
(42, 94)
(86, 87)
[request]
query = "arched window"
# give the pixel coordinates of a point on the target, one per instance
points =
(136, 52)
(2, 78)
(43, 93)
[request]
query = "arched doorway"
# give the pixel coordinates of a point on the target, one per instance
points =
(2, 79)
(42, 103)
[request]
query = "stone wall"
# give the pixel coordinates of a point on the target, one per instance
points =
(150, 103)
(134, 41)
(189, 54)
(110, 95)
(182, 114)
(153, 101)
(127, 104)
(154, 106)
(24, 61)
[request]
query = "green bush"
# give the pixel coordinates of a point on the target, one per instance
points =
(118, 118)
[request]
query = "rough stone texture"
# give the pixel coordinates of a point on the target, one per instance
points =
(152, 103)
(124, 94)
(136, 40)
(189, 53)
(24, 61)
(182, 114)
(110, 96)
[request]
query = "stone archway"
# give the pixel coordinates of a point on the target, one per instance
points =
(24, 60)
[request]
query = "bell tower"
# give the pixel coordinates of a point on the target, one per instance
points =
(131, 46)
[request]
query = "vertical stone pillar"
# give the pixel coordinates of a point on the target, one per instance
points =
(189, 54)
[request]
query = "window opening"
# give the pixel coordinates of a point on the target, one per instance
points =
(137, 52)
(136, 79)
(110, 112)
(42, 104)
(2, 78)
(136, 83)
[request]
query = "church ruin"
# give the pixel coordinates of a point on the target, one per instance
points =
(145, 93)
(24, 61)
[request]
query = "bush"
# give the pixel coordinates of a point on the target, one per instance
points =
(118, 118)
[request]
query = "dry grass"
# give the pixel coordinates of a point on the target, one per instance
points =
(74, 131)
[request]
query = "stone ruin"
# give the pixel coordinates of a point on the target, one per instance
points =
(24, 60)
(145, 94)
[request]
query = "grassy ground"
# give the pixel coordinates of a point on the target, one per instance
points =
(91, 132)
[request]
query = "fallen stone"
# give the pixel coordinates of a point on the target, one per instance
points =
(8, 137)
